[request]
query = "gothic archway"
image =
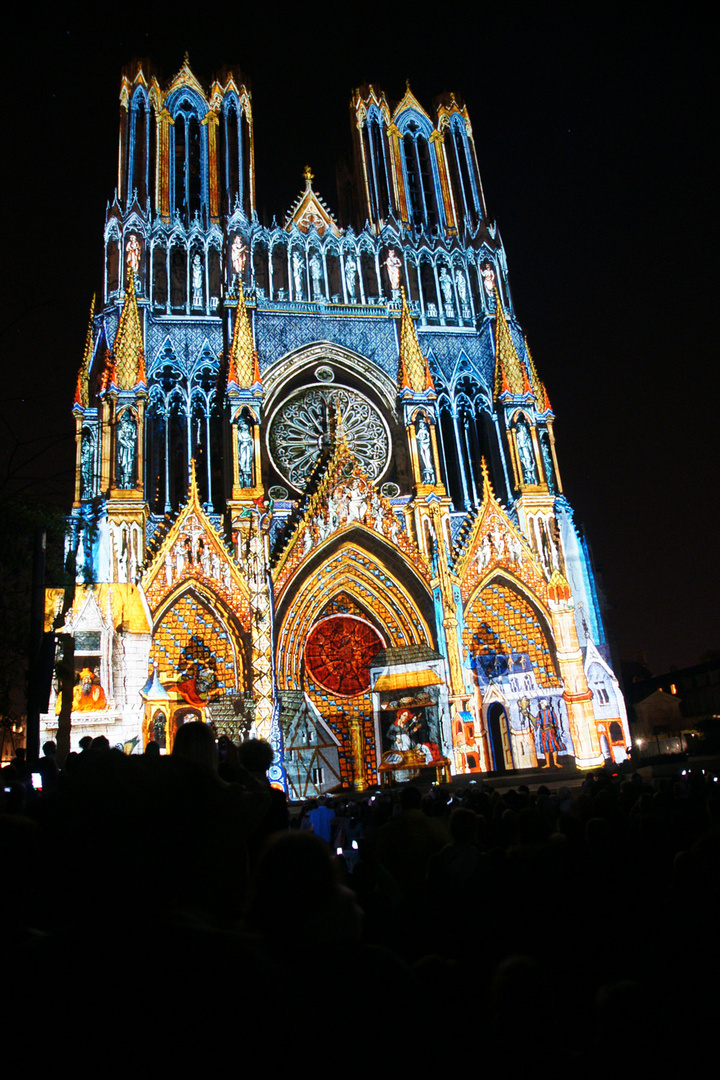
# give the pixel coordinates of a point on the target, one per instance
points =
(195, 637)
(343, 600)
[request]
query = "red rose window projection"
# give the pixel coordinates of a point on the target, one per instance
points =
(338, 654)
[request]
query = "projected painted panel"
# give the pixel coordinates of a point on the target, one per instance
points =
(338, 654)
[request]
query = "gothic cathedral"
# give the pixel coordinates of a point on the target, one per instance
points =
(317, 494)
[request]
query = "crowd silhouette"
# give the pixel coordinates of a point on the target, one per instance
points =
(169, 911)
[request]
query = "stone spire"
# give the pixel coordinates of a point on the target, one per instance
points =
(508, 369)
(243, 366)
(128, 352)
(413, 369)
(541, 396)
(82, 390)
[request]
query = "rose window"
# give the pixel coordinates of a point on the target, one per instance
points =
(300, 431)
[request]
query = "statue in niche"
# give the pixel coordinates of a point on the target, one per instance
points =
(87, 461)
(484, 554)
(424, 445)
(133, 252)
(316, 273)
(516, 550)
(205, 560)
(122, 564)
(461, 284)
(297, 268)
(238, 254)
(158, 729)
(488, 276)
(432, 545)
(80, 561)
(357, 502)
(548, 462)
(350, 271)
(393, 265)
(197, 282)
(498, 541)
(447, 290)
(126, 450)
(527, 457)
(245, 453)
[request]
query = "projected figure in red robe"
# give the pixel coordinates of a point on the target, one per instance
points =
(549, 740)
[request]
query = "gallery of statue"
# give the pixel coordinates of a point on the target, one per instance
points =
(317, 495)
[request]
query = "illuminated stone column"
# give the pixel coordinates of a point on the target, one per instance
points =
(107, 472)
(253, 542)
(357, 753)
(77, 413)
(122, 147)
(211, 122)
(437, 141)
(551, 436)
(577, 695)
(164, 120)
(401, 198)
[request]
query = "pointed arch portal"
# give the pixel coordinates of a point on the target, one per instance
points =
(347, 603)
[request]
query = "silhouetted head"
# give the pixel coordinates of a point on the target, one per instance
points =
(256, 755)
(196, 742)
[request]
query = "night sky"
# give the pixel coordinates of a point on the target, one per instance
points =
(594, 137)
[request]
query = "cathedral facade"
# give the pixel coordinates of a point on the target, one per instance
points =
(317, 494)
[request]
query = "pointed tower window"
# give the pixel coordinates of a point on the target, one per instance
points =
(460, 165)
(378, 182)
(139, 150)
(159, 277)
(422, 203)
(233, 156)
(187, 163)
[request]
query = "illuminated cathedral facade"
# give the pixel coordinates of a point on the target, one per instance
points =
(317, 494)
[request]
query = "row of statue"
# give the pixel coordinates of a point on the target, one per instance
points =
(193, 550)
(354, 502)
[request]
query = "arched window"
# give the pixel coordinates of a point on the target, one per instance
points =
(112, 261)
(139, 149)
(184, 422)
(159, 277)
(279, 266)
(461, 172)
(232, 149)
(423, 208)
(449, 453)
(178, 277)
(527, 464)
(377, 165)
(188, 158)
(547, 461)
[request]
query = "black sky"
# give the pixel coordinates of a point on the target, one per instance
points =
(595, 138)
